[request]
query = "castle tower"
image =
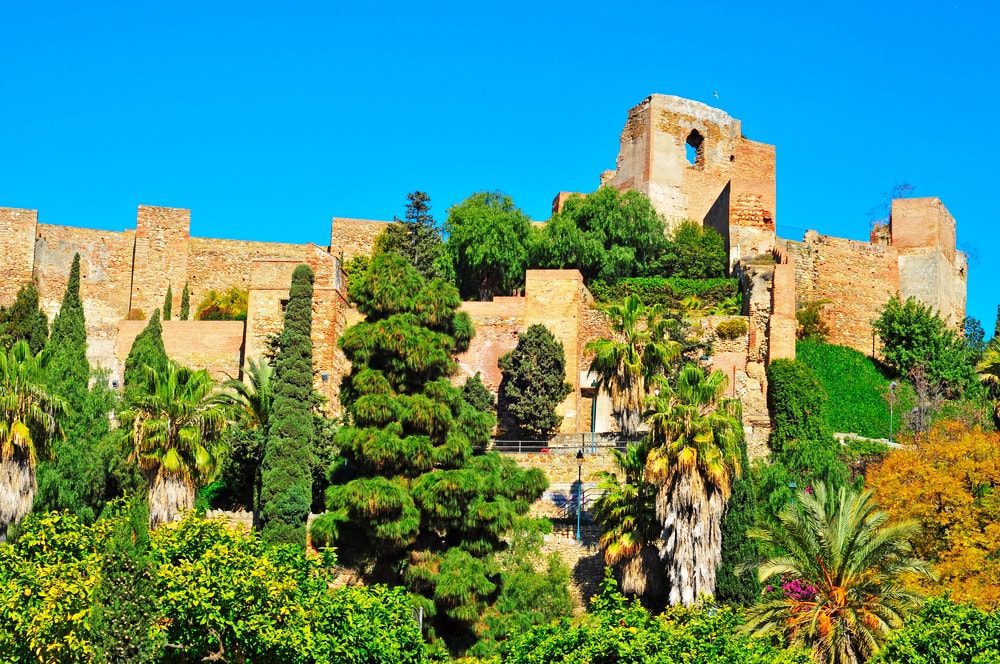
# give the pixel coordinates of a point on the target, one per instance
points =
(694, 163)
(17, 250)
(162, 236)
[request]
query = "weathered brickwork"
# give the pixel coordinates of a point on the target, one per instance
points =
(202, 344)
(17, 249)
(354, 237)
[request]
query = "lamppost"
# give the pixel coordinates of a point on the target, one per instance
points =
(579, 492)
(892, 401)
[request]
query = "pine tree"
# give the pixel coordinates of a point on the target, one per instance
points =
(534, 383)
(996, 325)
(185, 302)
(418, 239)
(416, 505)
(168, 303)
(147, 350)
(24, 320)
(286, 479)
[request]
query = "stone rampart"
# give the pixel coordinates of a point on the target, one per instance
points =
(354, 237)
(198, 344)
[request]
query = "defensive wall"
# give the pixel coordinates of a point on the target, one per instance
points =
(693, 162)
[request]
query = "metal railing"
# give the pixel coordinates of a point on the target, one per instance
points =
(564, 444)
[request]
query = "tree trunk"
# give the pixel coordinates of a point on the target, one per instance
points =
(17, 490)
(642, 575)
(169, 497)
(691, 513)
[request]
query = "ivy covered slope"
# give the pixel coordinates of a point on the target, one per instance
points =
(856, 389)
(415, 504)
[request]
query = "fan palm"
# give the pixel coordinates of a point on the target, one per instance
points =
(695, 435)
(173, 425)
(626, 514)
(989, 373)
(624, 365)
(846, 562)
(28, 418)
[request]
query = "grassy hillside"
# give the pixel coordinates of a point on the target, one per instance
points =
(856, 389)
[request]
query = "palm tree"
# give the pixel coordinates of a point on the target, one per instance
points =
(842, 563)
(173, 425)
(989, 373)
(695, 434)
(640, 350)
(250, 401)
(28, 418)
(626, 514)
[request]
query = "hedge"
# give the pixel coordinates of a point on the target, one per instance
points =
(668, 291)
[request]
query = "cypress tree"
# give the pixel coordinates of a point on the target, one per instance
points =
(24, 320)
(534, 383)
(477, 395)
(286, 478)
(147, 350)
(77, 477)
(736, 579)
(168, 303)
(185, 302)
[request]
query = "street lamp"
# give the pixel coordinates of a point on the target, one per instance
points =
(579, 492)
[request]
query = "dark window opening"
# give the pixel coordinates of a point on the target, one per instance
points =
(695, 149)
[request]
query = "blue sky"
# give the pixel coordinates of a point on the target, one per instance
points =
(267, 119)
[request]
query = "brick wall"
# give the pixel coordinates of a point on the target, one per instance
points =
(17, 250)
(213, 345)
(353, 237)
(161, 255)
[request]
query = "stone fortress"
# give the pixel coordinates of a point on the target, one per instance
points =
(692, 161)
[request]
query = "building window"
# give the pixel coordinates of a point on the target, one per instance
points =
(695, 149)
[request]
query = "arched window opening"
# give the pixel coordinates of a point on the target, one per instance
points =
(695, 149)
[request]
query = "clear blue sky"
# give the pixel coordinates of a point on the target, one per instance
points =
(267, 119)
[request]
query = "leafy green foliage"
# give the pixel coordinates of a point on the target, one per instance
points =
(975, 338)
(200, 592)
(692, 251)
(606, 235)
(230, 304)
(732, 328)
(477, 395)
(857, 390)
(487, 235)
(286, 480)
(669, 292)
(168, 303)
(797, 403)
(414, 504)
(417, 238)
(185, 302)
(945, 632)
(534, 383)
(735, 582)
(915, 338)
(625, 633)
(809, 321)
(24, 320)
(147, 351)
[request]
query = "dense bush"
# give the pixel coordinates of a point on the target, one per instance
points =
(692, 251)
(856, 388)
(732, 328)
(625, 633)
(210, 592)
(945, 633)
(809, 320)
(797, 402)
(23, 319)
(534, 383)
(230, 304)
(669, 292)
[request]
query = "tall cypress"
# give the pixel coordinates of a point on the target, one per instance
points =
(24, 320)
(69, 368)
(286, 479)
(168, 303)
(185, 302)
(736, 579)
(147, 350)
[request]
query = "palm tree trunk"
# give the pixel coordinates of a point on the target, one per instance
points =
(642, 575)
(169, 497)
(17, 490)
(691, 513)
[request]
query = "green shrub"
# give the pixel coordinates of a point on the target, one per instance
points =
(732, 328)
(230, 304)
(809, 321)
(945, 632)
(669, 292)
(856, 388)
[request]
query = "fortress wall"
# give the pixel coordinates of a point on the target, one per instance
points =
(755, 173)
(221, 264)
(161, 256)
(856, 278)
(17, 250)
(497, 324)
(105, 280)
(197, 344)
(354, 237)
